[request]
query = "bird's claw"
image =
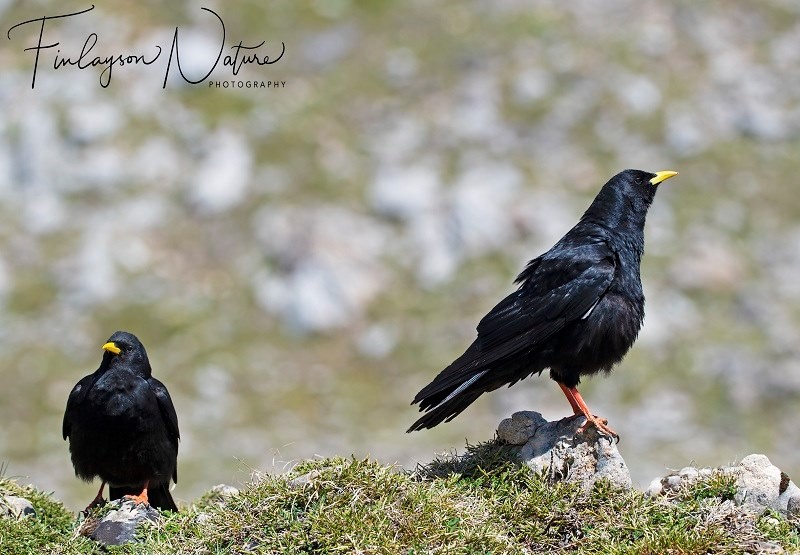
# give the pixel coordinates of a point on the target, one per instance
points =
(97, 502)
(601, 425)
(137, 499)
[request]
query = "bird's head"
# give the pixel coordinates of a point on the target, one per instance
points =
(638, 183)
(124, 348)
(625, 198)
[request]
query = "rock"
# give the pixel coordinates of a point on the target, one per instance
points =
(518, 429)
(655, 488)
(689, 473)
(793, 505)
(759, 484)
(672, 482)
(120, 525)
(223, 491)
(676, 480)
(16, 507)
(558, 450)
(769, 548)
(217, 495)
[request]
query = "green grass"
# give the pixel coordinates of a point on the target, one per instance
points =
(50, 532)
(478, 502)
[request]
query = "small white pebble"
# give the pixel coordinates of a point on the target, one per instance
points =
(655, 488)
(673, 482)
(689, 472)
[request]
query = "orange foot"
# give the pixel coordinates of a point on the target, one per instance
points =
(600, 424)
(579, 407)
(141, 498)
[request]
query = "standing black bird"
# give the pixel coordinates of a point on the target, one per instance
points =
(122, 427)
(578, 309)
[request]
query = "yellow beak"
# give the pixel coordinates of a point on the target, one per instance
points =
(662, 176)
(111, 348)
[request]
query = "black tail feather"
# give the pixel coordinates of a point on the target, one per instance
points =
(450, 392)
(449, 379)
(460, 384)
(447, 410)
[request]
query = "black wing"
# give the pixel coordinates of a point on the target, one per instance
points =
(559, 287)
(77, 395)
(168, 414)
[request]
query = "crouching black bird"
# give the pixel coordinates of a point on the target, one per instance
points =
(577, 311)
(122, 427)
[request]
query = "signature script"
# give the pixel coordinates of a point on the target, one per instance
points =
(242, 54)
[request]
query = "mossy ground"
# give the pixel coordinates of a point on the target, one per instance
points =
(478, 502)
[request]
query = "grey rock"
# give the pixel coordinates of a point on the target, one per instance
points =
(675, 480)
(793, 505)
(16, 507)
(655, 488)
(251, 546)
(759, 484)
(120, 525)
(769, 548)
(557, 449)
(672, 482)
(689, 473)
(224, 491)
(218, 495)
(518, 429)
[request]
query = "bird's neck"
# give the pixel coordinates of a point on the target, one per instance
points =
(623, 217)
(624, 226)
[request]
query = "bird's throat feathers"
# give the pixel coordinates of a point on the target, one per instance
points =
(113, 362)
(620, 209)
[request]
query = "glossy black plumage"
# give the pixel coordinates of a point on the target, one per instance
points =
(122, 426)
(577, 311)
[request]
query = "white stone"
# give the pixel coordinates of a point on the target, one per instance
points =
(518, 429)
(559, 451)
(655, 488)
(17, 507)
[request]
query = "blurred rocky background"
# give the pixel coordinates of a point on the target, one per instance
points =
(300, 261)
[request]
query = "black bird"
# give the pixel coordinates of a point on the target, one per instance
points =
(577, 311)
(122, 427)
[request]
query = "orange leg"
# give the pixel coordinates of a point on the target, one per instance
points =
(98, 499)
(579, 407)
(576, 408)
(142, 497)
